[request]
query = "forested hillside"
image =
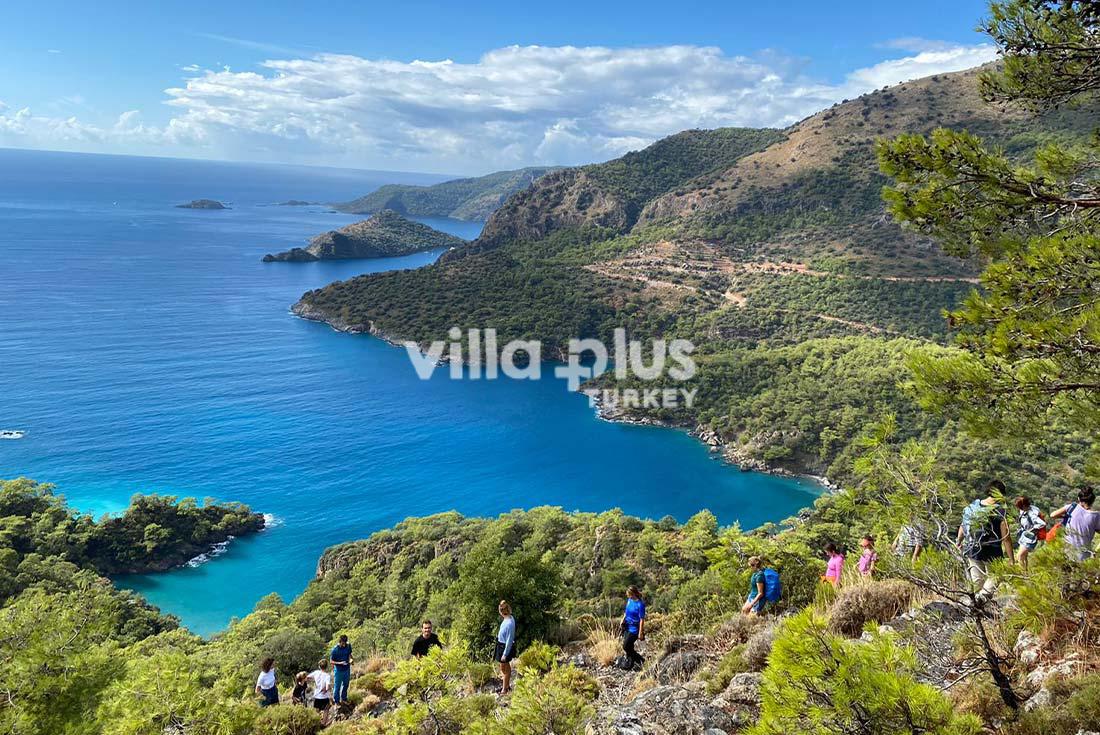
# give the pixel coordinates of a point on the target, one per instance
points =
(469, 199)
(736, 239)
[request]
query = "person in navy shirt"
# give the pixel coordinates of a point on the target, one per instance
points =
(341, 668)
(633, 625)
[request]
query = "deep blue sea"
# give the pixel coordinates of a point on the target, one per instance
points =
(146, 348)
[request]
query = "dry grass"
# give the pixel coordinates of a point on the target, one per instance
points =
(759, 647)
(641, 684)
(377, 665)
(601, 638)
(868, 602)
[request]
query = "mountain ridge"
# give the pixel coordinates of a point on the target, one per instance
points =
(472, 198)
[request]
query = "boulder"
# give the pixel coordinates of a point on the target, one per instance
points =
(1028, 648)
(679, 666)
(664, 710)
(744, 688)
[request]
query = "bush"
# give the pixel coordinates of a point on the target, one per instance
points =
(538, 658)
(731, 664)
(294, 650)
(283, 720)
(860, 604)
(840, 686)
(487, 576)
(574, 680)
(737, 630)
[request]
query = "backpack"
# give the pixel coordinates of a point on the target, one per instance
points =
(1061, 522)
(986, 543)
(773, 587)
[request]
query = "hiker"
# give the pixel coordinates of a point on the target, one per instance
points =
(298, 695)
(835, 564)
(910, 542)
(322, 688)
(1032, 529)
(341, 668)
(505, 649)
(1081, 523)
(868, 558)
(265, 683)
(424, 642)
(983, 536)
(633, 625)
(764, 587)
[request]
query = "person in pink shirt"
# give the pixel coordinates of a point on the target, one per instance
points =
(835, 564)
(869, 557)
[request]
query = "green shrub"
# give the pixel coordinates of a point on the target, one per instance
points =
(287, 720)
(732, 663)
(822, 683)
(294, 650)
(538, 657)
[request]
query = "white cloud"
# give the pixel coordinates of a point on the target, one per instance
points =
(53, 51)
(513, 106)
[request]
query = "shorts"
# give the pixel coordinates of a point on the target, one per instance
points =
(503, 656)
(322, 704)
(759, 606)
(270, 696)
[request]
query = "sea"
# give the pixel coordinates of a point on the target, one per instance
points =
(147, 349)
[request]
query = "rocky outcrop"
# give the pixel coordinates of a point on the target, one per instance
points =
(665, 710)
(202, 204)
(385, 235)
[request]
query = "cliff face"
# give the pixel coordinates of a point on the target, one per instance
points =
(612, 195)
(385, 235)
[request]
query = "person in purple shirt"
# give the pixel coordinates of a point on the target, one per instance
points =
(633, 625)
(1081, 524)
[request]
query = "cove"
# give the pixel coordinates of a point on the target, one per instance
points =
(146, 348)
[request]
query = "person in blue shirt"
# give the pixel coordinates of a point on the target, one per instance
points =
(341, 668)
(633, 625)
(505, 649)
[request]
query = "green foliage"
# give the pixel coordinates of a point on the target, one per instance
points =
(287, 721)
(538, 658)
(489, 574)
(154, 532)
(559, 703)
(56, 658)
(1050, 51)
(731, 664)
(818, 683)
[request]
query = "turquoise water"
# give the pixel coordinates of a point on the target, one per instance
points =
(146, 348)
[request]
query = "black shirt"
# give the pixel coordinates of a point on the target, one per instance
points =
(422, 645)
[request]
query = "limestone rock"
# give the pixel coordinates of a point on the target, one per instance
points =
(664, 710)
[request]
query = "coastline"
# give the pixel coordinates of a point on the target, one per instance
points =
(703, 434)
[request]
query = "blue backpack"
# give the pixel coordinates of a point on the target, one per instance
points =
(773, 588)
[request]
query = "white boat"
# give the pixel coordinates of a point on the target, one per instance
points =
(12, 434)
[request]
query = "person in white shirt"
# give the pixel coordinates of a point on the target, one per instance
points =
(322, 687)
(265, 683)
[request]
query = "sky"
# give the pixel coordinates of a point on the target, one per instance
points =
(447, 87)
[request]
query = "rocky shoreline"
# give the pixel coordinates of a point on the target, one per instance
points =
(711, 438)
(708, 436)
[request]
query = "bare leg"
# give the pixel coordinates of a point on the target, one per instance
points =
(506, 675)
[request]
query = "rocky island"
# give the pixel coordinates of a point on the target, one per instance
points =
(202, 204)
(385, 235)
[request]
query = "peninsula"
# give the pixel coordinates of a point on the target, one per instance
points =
(385, 235)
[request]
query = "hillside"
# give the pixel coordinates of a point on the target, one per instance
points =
(735, 239)
(473, 199)
(385, 235)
